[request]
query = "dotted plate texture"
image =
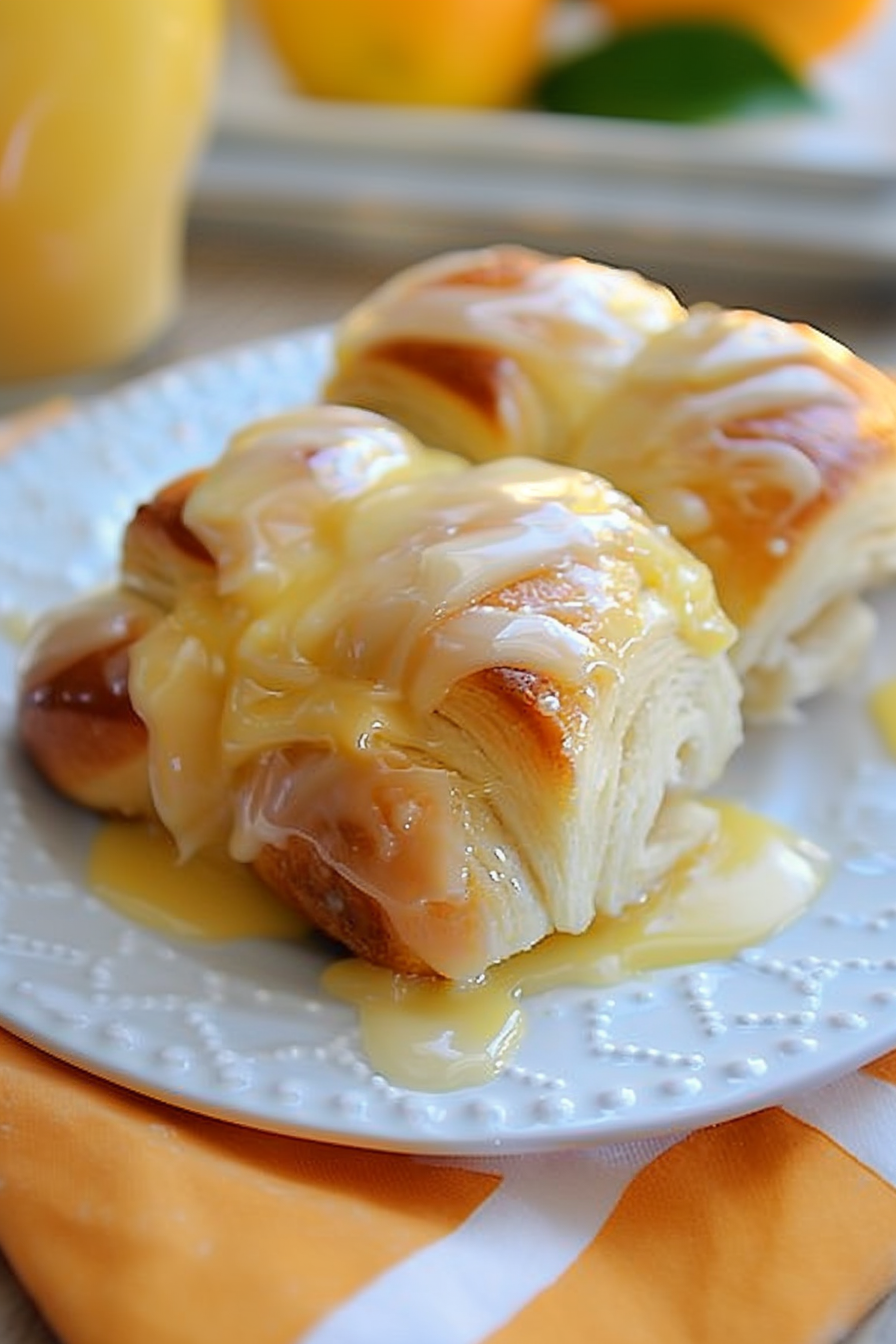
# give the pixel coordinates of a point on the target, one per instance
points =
(243, 1030)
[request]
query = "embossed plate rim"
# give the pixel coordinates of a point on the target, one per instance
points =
(242, 1031)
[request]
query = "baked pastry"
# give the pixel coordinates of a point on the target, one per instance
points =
(75, 717)
(443, 709)
(768, 448)
(495, 351)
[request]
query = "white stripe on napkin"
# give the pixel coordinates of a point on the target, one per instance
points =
(464, 1286)
(859, 1113)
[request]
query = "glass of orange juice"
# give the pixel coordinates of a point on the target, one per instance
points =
(103, 106)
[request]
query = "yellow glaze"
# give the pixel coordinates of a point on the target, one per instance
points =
(752, 879)
(882, 705)
(15, 626)
(135, 868)
(355, 574)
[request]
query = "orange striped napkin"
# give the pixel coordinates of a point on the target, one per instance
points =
(128, 1220)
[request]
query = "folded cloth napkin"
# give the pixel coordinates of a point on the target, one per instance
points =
(131, 1220)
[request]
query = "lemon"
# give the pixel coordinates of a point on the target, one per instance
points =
(460, 53)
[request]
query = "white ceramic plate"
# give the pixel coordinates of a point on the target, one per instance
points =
(808, 193)
(244, 1031)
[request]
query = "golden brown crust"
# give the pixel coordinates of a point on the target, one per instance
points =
(529, 707)
(495, 268)
(495, 351)
(298, 875)
(159, 552)
(75, 717)
(77, 724)
(472, 374)
(847, 444)
(544, 718)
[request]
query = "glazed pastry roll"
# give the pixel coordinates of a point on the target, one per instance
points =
(495, 351)
(75, 717)
(770, 451)
(443, 709)
(765, 446)
(160, 555)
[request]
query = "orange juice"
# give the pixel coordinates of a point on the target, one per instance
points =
(102, 107)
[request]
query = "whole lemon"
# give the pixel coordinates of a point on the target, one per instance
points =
(798, 30)
(460, 53)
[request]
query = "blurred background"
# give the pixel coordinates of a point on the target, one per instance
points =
(802, 193)
(302, 201)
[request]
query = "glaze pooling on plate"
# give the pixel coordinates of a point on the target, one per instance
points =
(244, 1030)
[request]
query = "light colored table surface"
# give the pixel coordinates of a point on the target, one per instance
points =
(243, 286)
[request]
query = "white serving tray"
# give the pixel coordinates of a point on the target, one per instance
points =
(803, 193)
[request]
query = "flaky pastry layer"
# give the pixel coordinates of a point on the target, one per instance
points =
(444, 709)
(768, 448)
